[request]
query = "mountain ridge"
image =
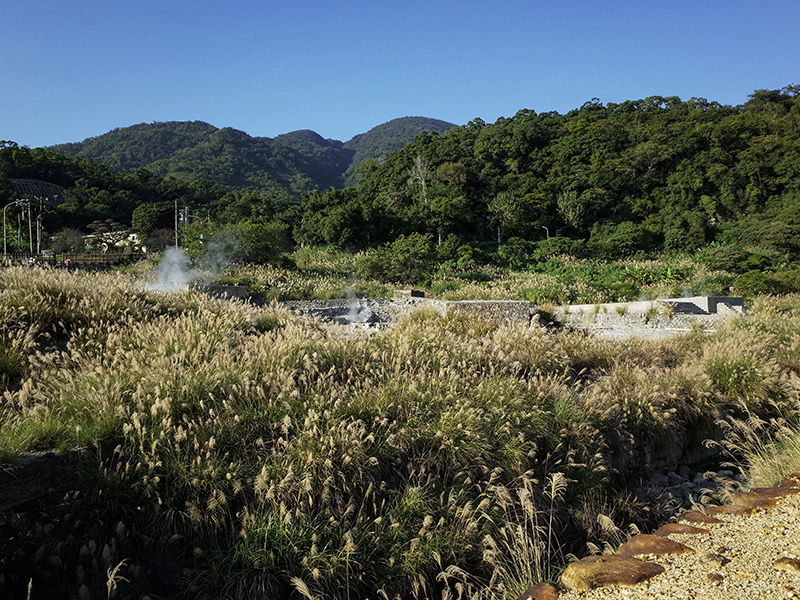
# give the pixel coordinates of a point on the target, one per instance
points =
(292, 163)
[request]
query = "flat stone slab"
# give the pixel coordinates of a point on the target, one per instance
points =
(753, 500)
(670, 528)
(694, 516)
(792, 480)
(644, 544)
(730, 509)
(608, 569)
(778, 491)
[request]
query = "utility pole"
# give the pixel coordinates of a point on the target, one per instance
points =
(30, 229)
(176, 222)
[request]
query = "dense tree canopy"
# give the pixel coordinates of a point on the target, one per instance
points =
(656, 174)
(645, 174)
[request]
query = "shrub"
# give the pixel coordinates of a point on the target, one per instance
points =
(262, 242)
(754, 283)
(408, 259)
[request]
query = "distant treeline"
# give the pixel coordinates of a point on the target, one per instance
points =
(608, 180)
(652, 174)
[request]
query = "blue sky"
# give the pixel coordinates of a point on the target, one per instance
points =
(72, 69)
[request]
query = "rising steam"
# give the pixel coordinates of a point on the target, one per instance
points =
(175, 271)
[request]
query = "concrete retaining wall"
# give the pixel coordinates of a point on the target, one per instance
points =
(512, 312)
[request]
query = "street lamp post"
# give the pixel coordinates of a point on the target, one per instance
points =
(17, 202)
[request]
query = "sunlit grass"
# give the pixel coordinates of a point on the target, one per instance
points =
(268, 457)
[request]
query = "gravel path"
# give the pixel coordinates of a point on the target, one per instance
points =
(735, 561)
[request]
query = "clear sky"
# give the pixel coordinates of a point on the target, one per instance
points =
(72, 69)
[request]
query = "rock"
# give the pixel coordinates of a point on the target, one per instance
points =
(792, 480)
(787, 483)
(611, 569)
(752, 500)
(776, 492)
(715, 559)
(693, 516)
(541, 591)
(678, 491)
(714, 577)
(670, 528)
(643, 544)
(788, 564)
(658, 480)
(685, 472)
(730, 509)
(674, 478)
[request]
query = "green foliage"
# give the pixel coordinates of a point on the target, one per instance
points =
(754, 283)
(150, 216)
(380, 141)
(293, 163)
(409, 259)
(623, 240)
(262, 242)
(621, 180)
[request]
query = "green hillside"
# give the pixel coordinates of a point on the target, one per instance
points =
(292, 163)
(380, 141)
(645, 175)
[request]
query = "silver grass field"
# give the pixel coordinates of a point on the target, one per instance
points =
(218, 449)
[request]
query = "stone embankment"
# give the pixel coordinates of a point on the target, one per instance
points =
(748, 548)
(647, 319)
(653, 318)
(380, 312)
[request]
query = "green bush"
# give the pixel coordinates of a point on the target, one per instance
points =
(754, 283)
(517, 253)
(555, 246)
(408, 259)
(262, 242)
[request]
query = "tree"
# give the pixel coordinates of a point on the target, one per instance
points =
(262, 242)
(572, 208)
(109, 233)
(408, 259)
(150, 216)
(507, 213)
(68, 240)
(418, 176)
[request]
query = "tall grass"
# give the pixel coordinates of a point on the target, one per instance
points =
(320, 273)
(228, 450)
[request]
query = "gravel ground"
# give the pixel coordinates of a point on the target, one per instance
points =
(742, 552)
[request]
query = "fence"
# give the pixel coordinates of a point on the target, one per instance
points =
(76, 259)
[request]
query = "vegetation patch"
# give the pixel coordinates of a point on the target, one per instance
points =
(235, 450)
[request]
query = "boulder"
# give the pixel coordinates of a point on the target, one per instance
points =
(753, 500)
(693, 516)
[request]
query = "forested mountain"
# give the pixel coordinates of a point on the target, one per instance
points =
(651, 174)
(380, 141)
(292, 163)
